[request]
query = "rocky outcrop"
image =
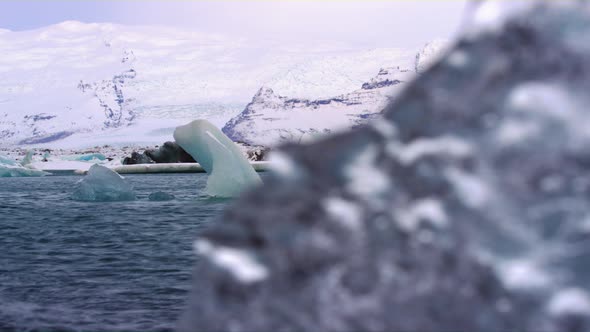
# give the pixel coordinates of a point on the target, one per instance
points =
(137, 158)
(464, 209)
(110, 96)
(270, 119)
(170, 152)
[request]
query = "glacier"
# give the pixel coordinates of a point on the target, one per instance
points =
(229, 170)
(10, 168)
(479, 220)
(272, 118)
(102, 184)
(138, 83)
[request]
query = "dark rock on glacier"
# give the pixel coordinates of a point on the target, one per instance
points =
(170, 152)
(137, 158)
(464, 209)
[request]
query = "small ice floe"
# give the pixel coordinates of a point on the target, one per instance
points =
(160, 196)
(239, 263)
(103, 185)
(229, 171)
(10, 168)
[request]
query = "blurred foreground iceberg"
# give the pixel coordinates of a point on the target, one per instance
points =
(10, 168)
(229, 171)
(103, 185)
(466, 208)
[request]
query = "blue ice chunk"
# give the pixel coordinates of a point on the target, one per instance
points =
(10, 168)
(229, 170)
(103, 185)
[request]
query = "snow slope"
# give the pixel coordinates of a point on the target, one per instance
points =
(272, 118)
(79, 84)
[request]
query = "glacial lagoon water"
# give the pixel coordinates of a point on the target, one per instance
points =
(117, 266)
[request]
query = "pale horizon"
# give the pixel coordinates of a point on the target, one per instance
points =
(360, 25)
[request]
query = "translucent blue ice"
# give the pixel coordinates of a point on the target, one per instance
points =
(10, 168)
(103, 185)
(229, 170)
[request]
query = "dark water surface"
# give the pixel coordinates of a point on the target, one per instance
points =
(67, 265)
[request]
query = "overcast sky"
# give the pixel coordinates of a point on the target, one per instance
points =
(358, 23)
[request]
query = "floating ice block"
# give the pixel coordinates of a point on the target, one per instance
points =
(103, 185)
(229, 170)
(10, 168)
(28, 158)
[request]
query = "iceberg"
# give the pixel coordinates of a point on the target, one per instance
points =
(464, 208)
(10, 168)
(28, 158)
(103, 185)
(229, 171)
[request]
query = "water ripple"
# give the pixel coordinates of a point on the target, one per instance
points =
(117, 266)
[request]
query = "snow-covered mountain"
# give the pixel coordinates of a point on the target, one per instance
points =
(75, 83)
(271, 118)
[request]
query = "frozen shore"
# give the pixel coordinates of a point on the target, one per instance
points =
(78, 161)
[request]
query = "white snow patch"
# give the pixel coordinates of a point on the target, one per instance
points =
(430, 54)
(283, 165)
(585, 224)
(523, 274)
(348, 213)
(458, 59)
(490, 16)
(385, 128)
(473, 191)
(424, 210)
(420, 148)
(511, 132)
(548, 108)
(570, 301)
(541, 98)
(239, 263)
(365, 179)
